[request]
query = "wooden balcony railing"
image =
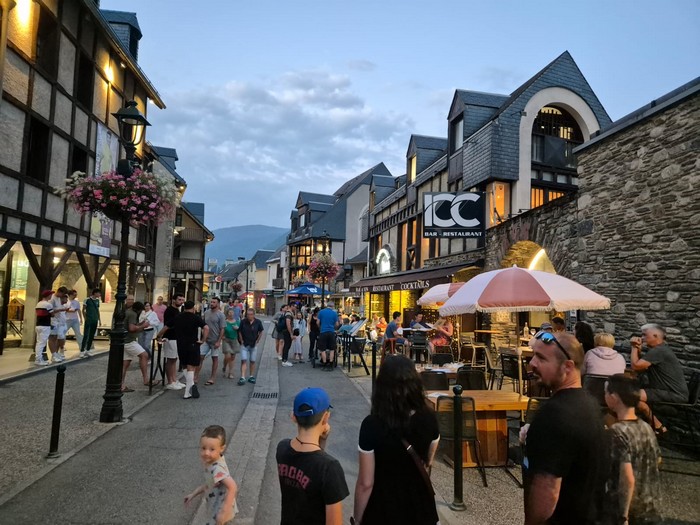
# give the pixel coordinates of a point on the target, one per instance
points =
(187, 265)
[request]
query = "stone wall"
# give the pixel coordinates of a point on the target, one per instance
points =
(639, 196)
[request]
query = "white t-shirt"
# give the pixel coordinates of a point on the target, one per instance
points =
(59, 317)
(75, 305)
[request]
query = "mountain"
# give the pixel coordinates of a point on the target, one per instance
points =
(244, 241)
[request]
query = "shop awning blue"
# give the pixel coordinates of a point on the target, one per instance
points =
(307, 289)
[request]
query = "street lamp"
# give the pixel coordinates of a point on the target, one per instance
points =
(132, 125)
(325, 242)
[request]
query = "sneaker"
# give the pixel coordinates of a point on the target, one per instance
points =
(84, 355)
(90, 352)
(187, 396)
(279, 358)
(179, 386)
(41, 362)
(286, 363)
(195, 391)
(251, 379)
(172, 386)
(241, 381)
(56, 358)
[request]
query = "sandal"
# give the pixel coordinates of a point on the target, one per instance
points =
(208, 383)
(127, 389)
(230, 376)
(154, 383)
(660, 431)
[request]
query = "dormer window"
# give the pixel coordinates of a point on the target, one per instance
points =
(302, 221)
(411, 169)
(456, 134)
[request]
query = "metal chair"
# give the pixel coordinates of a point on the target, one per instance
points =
(433, 380)
(509, 369)
(493, 368)
(445, 417)
(471, 379)
(595, 385)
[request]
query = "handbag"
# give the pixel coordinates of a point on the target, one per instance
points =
(419, 464)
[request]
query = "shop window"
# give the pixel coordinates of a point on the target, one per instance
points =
(46, 52)
(38, 150)
(79, 160)
(536, 197)
(85, 80)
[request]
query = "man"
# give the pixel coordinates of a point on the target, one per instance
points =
(277, 333)
(634, 485)
(565, 459)
(393, 331)
(418, 320)
(133, 350)
(57, 339)
(661, 370)
(159, 308)
(44, 312)
(288, 328)
(328, 322)
(311, 481)
(249, 335)
(170, 352)
(558, 325)
(547, 327)
(91, 314)
(74, 317)
(216, 321)
(186, 328)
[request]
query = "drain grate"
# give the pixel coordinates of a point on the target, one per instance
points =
(264, 395)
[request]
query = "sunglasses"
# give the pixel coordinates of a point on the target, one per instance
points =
(548, 339)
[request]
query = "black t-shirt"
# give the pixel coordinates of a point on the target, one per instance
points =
(185, 328)
(248, 332)
(309, 481)
(567, 440)
(170, 313)
(399, 495)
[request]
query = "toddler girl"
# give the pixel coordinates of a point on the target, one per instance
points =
(296, 346)
(219, 485)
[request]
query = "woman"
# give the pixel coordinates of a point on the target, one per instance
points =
(390, 489)
(146, 336)
(314, 330)
(602, 360)
(584, 333)
(229, 345)
(443, 336)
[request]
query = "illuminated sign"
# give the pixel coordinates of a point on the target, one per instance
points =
(447, 215)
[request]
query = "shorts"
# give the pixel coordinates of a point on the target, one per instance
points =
(208, 349)
(230, 346)
(189, 354)
(59, 330)
(656, 395)
(169, 349)
(278, 335)
(326, 341)
(132, 350)
(249, 353)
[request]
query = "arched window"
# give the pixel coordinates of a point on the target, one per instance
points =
(555, 133)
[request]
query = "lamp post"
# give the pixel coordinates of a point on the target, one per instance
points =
(325, 241)
(131, 129)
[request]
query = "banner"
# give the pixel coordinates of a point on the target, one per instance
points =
(450, 215)
(106, 156)
(100, 235)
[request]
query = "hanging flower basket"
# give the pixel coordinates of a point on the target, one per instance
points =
(143, 197)
(235, 286)
(298, 281)
(322, 266)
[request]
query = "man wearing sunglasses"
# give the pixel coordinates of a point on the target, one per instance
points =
(565, 459)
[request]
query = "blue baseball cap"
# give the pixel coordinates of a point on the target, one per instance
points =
(313, 400)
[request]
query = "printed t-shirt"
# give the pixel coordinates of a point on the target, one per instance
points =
(309, 481)
(43, 313)
(216, 492)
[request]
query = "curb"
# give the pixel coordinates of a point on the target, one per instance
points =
(52, 366)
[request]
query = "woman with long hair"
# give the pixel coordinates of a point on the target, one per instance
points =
(584, 333)
(390, 487)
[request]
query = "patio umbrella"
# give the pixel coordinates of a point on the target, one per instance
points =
(306, 289)
(520, 290)
(438, 294)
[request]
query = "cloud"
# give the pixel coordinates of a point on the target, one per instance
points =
(246, 149)
(362, 65)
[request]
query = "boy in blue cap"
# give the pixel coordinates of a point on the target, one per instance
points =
(312, 482)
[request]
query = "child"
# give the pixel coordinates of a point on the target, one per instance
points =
(296, 346)
(312, 482)
(220, 488)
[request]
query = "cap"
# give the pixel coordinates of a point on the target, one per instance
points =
(314, 401)
(46, 293)
(546, 326)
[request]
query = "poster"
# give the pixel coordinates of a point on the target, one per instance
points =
(106, 150)
(100, 235)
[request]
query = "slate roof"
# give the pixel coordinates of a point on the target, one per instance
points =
(425, 142)
(480, 98)
(260, 258)
(167, 157)
(277, 255)
(381, 181)
(187, 207)
(305, 197)
(122, 17)
(363, 178)
(360, 258)
(231, 272)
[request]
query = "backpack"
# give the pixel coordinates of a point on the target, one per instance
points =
(282, 323)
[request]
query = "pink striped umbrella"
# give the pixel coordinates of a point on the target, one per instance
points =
(438, 294)
(520, 290)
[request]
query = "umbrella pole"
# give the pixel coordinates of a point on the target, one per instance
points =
(520, 378)
(459, 341)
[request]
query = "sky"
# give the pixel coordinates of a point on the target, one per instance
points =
(268, 98)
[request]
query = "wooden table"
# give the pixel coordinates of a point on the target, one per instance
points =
(491, 423)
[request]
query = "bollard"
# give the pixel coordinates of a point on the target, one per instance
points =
(57, 408)
(374, 364)
(457, 502)
(153, 360)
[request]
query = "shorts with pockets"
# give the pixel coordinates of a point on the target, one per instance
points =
(249, 353)
(326, 341)
(230, 346)
(208, 349)
(132, 350)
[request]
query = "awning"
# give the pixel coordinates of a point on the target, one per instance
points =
(410, 280)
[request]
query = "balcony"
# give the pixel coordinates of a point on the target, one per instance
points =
(278, 284)
(191, 234)
(187, 265)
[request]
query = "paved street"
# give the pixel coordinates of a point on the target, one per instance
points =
(138, 472)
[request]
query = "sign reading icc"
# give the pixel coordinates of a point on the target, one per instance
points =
(452, 215)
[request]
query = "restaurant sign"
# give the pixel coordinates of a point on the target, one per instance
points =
(449, 215)
(418, 284)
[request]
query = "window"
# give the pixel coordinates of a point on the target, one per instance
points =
(79, 160)
(302, 221)
(536, 197)
(456, 134)
(537, 148)
(178, 219)
(412, 163)
(38, 150)
(85, 80)
(47, 43)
